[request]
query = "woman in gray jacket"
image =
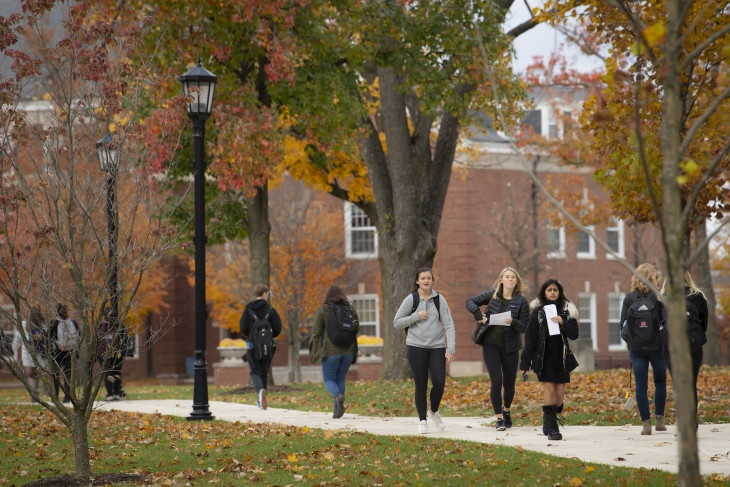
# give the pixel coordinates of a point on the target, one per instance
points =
(429, 344)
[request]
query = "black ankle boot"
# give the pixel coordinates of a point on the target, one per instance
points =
(550, 421)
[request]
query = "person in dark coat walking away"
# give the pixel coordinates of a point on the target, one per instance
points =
(429, 345)
(544, 352)
(640, 358)
(501, 344)
(336, 359)
(697, 315)
(260, 307)
(110, 354)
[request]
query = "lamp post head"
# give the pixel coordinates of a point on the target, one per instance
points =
(108, 153)
(199, 83)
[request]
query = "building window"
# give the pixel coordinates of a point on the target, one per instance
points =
(361, 238)
(555, 243)
(615, 302)
(587, 319)
(586, 247)
(367, 309)
(615, 237)
(533, 120)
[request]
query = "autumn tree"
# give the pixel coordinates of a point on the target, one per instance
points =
(661, 122)
(58, 97)
(306, 258)
(375, 92)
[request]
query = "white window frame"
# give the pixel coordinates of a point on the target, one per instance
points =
(618, 228)
(376, 304)
(349, 208)
(616, 321)
(560, 253)
(592, 318)
(591, 253)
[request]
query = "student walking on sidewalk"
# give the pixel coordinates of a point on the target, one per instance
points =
(429, 344)
(336, 359)
(545, 352)
(641, 315)
(501, 344)
(257, 315)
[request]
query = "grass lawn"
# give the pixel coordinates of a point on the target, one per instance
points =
(173, 452)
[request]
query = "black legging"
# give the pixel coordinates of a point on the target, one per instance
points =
(112, 375)
(423, 360)
(502, 368)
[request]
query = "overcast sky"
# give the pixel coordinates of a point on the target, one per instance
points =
(542, 40)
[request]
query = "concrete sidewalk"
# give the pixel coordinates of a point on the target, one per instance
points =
(615, 445)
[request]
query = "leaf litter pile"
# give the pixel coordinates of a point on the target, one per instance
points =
(167, 451)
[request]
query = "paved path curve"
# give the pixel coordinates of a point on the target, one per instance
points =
(614, 445)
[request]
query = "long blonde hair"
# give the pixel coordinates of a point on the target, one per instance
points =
(518, 288)
(648, 272)
(688, 283)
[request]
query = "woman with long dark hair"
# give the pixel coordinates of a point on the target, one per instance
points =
(501, 344)
(545, 352)
(429, 344)
(336, 359)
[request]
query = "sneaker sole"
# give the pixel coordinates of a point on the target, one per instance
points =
(501, 429)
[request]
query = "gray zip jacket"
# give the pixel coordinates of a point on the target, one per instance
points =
(428, 333)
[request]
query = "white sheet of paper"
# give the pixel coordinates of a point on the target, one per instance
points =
(499, 318)
(550, 311)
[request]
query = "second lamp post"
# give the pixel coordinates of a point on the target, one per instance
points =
(199, 87)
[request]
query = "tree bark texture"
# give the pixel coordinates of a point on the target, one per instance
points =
(674, 231)
(259, 232)
(711, 350)
(409, 184)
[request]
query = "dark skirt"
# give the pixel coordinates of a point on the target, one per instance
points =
(552, 364)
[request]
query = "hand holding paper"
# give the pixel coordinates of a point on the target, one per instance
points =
(499, 319)
(551, 312)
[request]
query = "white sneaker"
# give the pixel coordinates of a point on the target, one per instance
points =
(436, 418)
(262, 399)
(423, 427)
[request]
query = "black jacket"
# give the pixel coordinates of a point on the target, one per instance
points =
(518, 307)
(260, 307)
(537, 332)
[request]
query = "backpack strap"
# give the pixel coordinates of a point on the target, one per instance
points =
(416, 300)
(253, 314)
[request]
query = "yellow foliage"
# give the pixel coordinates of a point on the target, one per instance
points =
(231, 342)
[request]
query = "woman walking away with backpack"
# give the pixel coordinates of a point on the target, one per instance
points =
(430, 346)
(260, 324)
(334, 341)
(501, 344)
(641, 316)
(35, 336)
(697, 313)
(545, 349)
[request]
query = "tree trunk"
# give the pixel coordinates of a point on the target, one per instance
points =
(79, 432)
(259, 231)
(675, 229)
(409, 183)
(295, 369)
(704, 281)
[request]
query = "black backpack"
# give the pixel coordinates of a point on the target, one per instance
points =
(341, 325)
(697, 336)
(262, 336)
(641, 328)
(415, 299)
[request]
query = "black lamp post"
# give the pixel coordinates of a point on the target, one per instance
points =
(109, 161)
(199, 86)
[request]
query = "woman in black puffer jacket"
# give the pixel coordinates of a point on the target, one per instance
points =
(545, 353)
(501, 344)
